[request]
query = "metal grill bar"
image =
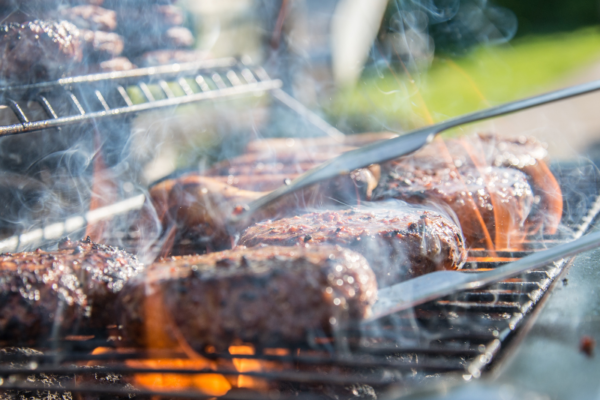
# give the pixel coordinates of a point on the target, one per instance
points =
(144, 79)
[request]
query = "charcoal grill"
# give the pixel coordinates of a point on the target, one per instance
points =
(454, 339)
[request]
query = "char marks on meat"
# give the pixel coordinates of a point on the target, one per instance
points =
(57, 292)
(263, 295)
(398, 243)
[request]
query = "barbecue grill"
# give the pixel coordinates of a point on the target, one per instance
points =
(453, 339)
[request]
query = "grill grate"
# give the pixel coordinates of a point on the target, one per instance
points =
(88, 98)
(458, 337)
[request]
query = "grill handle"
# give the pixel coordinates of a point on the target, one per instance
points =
(393, 148)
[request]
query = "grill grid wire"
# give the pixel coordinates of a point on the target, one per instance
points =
(454, 338)
(121, 94)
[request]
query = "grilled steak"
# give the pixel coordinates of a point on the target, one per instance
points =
(260, 295)
(398, 242)
(38, 50)
(43, 293)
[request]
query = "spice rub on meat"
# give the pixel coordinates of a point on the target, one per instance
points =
(259, 295)
(500, 189)
(62, 291)
(397, 243)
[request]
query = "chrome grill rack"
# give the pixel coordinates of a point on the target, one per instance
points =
(97, 97)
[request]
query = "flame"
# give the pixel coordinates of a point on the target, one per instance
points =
(210, 384)
(103, 191)
(246, 365)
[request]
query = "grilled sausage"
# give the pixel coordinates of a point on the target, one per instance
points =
(264, 295)
(47, 293)
(397, 242)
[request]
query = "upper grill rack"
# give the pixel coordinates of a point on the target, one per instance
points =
(455, 338)
(82, 99)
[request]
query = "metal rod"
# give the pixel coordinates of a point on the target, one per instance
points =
(309, 115)
(124, 111)
(393, 148)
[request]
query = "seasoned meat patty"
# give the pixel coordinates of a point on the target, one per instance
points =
(492, 204)
(38, 50)
(398, 242)
(260, 295)
(43, 293)
(500, 188)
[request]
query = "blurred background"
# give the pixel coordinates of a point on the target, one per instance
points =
(378, 65)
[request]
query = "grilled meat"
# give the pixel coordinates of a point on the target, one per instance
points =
(398, 242)
(38, 50)
(527, 155)
(260, 295)
(100, 46)
(491, 204)
(44, 293)
(89, 17)
(500, 189)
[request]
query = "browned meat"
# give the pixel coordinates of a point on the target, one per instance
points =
(162, 57)
(260, 295)
(528, 154)
(398, 241)
(496, 206)
(44, 293)
(100, 46)
(90, 17)
(199, 206)
(491, 204)
(38, 50)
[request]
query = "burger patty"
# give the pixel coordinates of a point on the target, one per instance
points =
(492, 204)
(43, 293)
(398, 243)
(260, 295)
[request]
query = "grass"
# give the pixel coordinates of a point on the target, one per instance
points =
(450, 87)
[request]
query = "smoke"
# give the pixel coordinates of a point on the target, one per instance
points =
(414, 31)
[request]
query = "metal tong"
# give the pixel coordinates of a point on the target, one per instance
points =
(443, 283)
(400, 146)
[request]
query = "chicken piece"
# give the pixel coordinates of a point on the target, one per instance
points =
(398, 241)
(263, 295)
(47, 293)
